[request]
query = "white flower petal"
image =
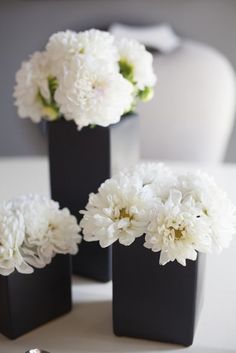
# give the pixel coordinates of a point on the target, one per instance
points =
(135, 54)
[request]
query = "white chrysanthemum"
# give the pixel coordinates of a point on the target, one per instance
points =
(100, 45)
(89, 93)
(48, 229)
(196, 216)
(157, 176)
(136, 63)
(63, 46)
(116, 212)
(154, 172)
(12, 233)
(181, 214)
(31, 79)
(215, 206)
(177, 230)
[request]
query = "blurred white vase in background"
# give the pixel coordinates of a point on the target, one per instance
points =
(192, 113)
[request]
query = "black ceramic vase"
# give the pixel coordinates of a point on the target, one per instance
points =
(155, 302)
(28, 301)
(79, 162)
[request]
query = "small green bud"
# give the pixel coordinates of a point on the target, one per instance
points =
(146, 94)
(50, 112)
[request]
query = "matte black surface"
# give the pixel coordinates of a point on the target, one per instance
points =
(79, 162)
(28, 301)
(152, 301)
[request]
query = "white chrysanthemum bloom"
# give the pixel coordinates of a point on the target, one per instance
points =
(117, 212)
(136, 63)
(89, 93)
(215, 207)
(12, 233)
(154, 172)
(181, 214)
(48, 230)
(196, 216)
(176, 230)
(157, 176)
(63, 46)
(100, 45)
(32, 86)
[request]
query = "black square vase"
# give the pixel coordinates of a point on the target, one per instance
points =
(79, 162)
(155, 302)
(28, 301)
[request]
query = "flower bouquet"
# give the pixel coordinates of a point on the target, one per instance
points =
(35, 272)
(166, 217)
(93, 82)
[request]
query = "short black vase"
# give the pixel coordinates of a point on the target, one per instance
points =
(79, 162)
(28, 301)
(155, 302)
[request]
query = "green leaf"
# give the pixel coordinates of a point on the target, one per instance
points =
(127, 70)
(49, 108)
(52, 85)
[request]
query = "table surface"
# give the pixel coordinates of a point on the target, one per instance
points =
(88, 328)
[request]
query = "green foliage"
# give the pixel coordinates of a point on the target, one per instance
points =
(146, 94)
(52, 85)
(50, 107)
(127, 70)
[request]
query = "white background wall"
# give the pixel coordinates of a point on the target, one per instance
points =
(26, 24)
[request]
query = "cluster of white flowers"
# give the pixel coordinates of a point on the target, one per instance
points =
(87, 77)
(179, 215)
(32, 231)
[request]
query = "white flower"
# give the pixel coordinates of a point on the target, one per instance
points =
(48, 230)
(12, 233)
(62, 46)
(136, 63)
(32, 80)
(176, 230)
(215, 206)
(157, 176)
(151, 172)
(179, 214)
(116, 212)
(196, 216)
(82, 77)
(89, 93)
(100, 45)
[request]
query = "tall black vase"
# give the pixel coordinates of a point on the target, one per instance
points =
(28, 301)
(79, 162)
(155, 302)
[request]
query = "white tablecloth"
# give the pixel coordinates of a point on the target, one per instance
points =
(88, 328)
